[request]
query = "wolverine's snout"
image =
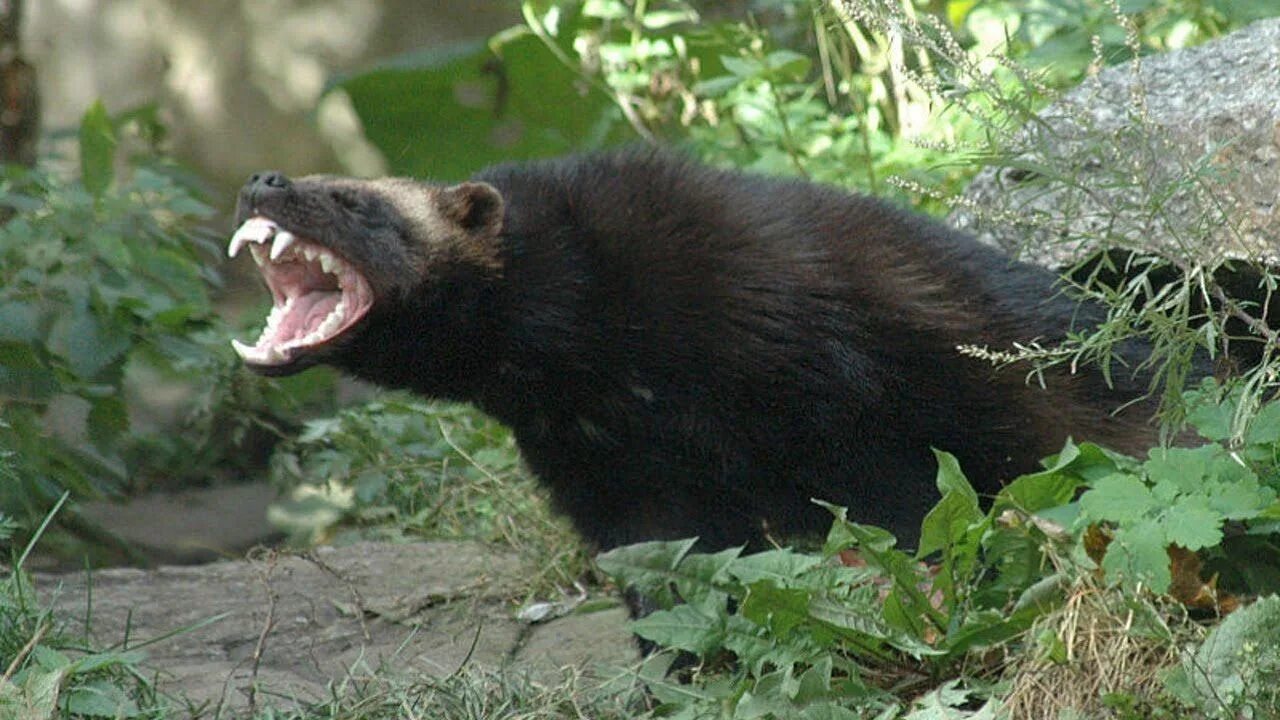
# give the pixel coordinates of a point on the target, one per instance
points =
(262, 185)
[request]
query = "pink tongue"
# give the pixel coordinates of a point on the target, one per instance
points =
(307, 313)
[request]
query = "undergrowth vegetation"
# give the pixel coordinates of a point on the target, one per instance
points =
(106, 310)
(105, 306)
(1093, 588)
(397, 467)
(998, 608)
(78, 298)
(50, 671)
(476, 694)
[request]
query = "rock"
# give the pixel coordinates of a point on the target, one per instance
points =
(190, 526)
(575, 639)
(287, 625)
(1178, 153)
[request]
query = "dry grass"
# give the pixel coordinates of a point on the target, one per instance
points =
(1106, 642)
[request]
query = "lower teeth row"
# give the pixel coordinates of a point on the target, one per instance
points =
(274, 317)
(274, 353)
(325, 329)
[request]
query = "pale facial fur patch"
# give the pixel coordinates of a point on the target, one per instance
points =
(444, 240)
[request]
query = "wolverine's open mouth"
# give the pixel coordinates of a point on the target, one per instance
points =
(318, 295)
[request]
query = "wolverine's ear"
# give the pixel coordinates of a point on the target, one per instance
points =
(474, 206)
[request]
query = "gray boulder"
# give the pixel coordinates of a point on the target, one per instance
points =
(1177, 153)
(281, 629)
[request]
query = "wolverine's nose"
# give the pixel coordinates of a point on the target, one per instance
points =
(262, 185)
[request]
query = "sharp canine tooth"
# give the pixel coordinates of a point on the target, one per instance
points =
(255, 229)
(283, 240)
(326, 262)
(246, 352)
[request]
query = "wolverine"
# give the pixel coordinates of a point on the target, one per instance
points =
(680, 350)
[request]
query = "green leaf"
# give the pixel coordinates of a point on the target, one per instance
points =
(85, 342)
(948, 520)
(1212, 419)
(23, 376)
(1043, 594)
(34, 695)
(991, 628)
(648, 567)
(659, 19)
(100, 699)
(447, 113)
(19, 321)
(111, 248)
(845, 534)
(951, 480)
(788, 64)
(49, 658)
(767, 699)
(108, 659)
(858, 620)
(1239, 658)
(1240, 12)
(97, 149)
(779, 609)
(1118, 497)
(876, 547)
(1051, 487)
(1264, 429)
(606, 9)
(108, 420)
(700, 578)
(22, 203)
(1240, 499)
(19, 356)
(744, 68)
(683, 627)
(1137, 554)
(757, 649)
(828, 711)
(781, 567)
(1191, 523)
(716, 86)
(815, 683)
(1185, 468)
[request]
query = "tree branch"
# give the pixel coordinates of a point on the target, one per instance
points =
(19, 94)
